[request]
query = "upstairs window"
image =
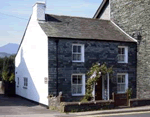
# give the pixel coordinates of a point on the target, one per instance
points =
(78, 53)
(122, 54)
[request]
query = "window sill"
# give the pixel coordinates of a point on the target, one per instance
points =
(122, 62)
(25, 87)
(77, 94)
(120, 92)
(78, 61)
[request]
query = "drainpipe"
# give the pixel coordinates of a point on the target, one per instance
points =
(57, 41)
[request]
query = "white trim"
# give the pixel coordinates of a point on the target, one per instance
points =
(124, 31)
(126, 81)
(107, 86)
(126, 54)
(103, 87)
(82, 52)
(83, 85)
(93, 92)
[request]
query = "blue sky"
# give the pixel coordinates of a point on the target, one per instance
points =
(14, 14)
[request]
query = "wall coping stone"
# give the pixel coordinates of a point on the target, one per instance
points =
(82, 103)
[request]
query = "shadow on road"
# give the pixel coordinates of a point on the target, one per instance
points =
(15, 101)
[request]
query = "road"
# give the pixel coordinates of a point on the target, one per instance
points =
(131, 114)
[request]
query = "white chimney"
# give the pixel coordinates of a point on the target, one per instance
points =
(39, 10)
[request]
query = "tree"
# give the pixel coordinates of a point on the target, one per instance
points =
(8, 69)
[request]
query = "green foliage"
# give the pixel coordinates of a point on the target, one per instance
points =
(5, 75)
(7, 69)
(99, 70)
(12, 78)
(129, 91)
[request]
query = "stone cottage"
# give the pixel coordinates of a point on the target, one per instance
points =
(56, 52)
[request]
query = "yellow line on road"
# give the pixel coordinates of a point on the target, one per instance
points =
(115, 114)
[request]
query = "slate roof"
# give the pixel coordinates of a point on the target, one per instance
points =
(82, 28)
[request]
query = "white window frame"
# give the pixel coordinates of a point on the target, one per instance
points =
(126, 82)
(126, 54)
(25, 82)
(82, 52)
(83, 85)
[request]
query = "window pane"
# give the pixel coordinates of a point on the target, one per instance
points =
(123, 78)
(119, 50)
(78, 57)
(121, 57)
(74, 87)
(74, 79)
(80, 79)
(74, 48)
(74, 57)
(118, 87)
(122, 89)
(123, 51)
(119, 78)
(79, 49)
(27, 82)
(79, 91)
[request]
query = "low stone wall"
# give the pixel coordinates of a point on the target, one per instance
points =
(139, 102)
(86, 106)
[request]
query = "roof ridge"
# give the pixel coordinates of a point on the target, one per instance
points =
(78, 17)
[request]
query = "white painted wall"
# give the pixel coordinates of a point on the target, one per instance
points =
(106, 13)
(32, 62)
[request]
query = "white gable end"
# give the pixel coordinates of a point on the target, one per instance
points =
(106, 14)
(31, 62)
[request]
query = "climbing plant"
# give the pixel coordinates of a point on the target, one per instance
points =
(94, 73)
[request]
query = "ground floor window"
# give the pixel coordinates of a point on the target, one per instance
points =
(18, 81)
(122, 82)
(78, 84)
(25, 82)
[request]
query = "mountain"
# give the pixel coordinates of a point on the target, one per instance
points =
(9, 49)
(3, 54)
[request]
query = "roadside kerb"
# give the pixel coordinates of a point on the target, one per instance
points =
(126, 110)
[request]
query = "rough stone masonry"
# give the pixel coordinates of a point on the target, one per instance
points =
(133, 16)
(95, 51)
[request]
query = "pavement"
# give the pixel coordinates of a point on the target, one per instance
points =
(123, 111)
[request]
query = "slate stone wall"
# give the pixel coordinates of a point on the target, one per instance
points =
(95, 51)
(133, 16)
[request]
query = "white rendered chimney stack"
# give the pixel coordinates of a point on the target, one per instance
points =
(39, 10)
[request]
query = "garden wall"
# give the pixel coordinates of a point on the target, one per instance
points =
(139, 102)
(86, 106)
